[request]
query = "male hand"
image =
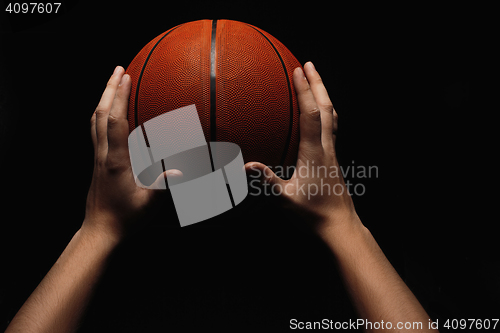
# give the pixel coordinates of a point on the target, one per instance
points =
(114, 201)
(320, 192)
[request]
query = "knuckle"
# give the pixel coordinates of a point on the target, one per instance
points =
(114, 164)
(335, 116)
(99, 160)
(328, 106)
(100, 111)
(303, 88)
(111, 83)
(100, 163)
(92, 119)
(315, 114)
(114, 121)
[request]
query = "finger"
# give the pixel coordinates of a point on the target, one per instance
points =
(93, 134)
(161, 182)
(310, 117)
(262, 173)
(324, 103)
(118, 128)
(335, 126)
(102, 111)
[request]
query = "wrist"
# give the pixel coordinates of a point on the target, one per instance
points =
(341, 230)
(100, 232)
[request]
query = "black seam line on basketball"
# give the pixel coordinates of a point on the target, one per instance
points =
(136, 116)
(227, 186)
(147, 144)
(213, 77)
(212, 91)
(145, 135)
(290, 97)
(165, 176)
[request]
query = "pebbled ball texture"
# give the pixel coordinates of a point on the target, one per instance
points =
(241, 83)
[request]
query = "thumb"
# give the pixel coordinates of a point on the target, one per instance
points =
(257, 170)
(161, 182)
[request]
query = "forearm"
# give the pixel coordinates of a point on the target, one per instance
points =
(58, 302)
(377, 291)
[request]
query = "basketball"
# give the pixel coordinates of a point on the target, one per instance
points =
(238, 76)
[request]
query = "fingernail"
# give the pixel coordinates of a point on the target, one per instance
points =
(300, 72)
(124, 79)
(174, 173)
(117, 69)
(311, 65)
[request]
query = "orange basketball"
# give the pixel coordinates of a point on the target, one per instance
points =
(239, 77)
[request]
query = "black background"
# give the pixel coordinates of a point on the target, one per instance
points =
(408, 84)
